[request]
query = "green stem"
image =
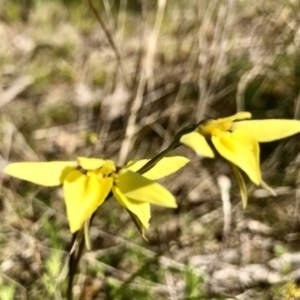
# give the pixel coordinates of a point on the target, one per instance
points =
(152, 162)
(73, 263)
(174, 144)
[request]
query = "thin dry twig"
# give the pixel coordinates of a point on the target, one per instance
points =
(225, 185)
(146, 75)
(111, 41)
(218, 48)
(16, 88)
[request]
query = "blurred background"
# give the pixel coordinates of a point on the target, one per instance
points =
(117, 79)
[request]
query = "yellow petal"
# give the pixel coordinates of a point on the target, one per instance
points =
(241, 149)
(265, 186)
(90, 163)
(163, 168)
(269, 130)
(83, 195)
(140, 209)
(138, 224)
(139, 188)
(198, 143)
(108, 168)
(238, 116)
(241, 184)
(43, 173)
(152, 162)
(211, 127)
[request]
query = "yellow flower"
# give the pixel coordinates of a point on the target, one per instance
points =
(237, 141)
(88, 182)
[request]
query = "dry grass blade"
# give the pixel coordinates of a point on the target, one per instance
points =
(182, 61)
(146, 77)
(111, 41)
(210, 75)
(16, 88)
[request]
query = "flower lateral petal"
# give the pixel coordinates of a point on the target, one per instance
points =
(266, 187)
(90, 163)
(269, 130)
(241, 183)
(42, 173)
(213, 127)
(163, 168)
(83, 195)
(140, 209)
(139, 188)
(241, 149)
(242, 115)
(198, 143)
(138, 224)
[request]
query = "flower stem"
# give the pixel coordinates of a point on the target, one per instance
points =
(174, 144)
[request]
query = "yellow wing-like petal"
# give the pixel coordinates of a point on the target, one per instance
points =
(211, 127)
(83, 195)
(163, 168)
(238, 116)
(140, 209)
(269, 130)
(241, 149)
(138, 224)
(241, 184)
(198, 143)
(265, 186)
(43, 173)
(139, 188)
(91, 163)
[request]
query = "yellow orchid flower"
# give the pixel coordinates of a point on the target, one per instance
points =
(236, 139)
(87, 182)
